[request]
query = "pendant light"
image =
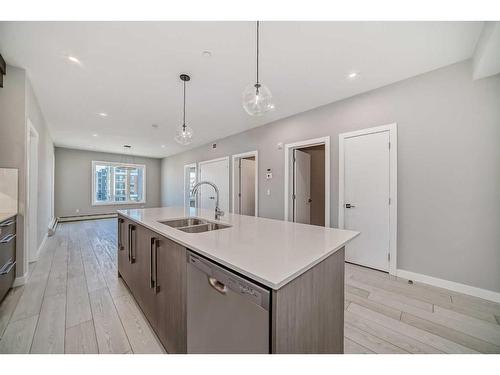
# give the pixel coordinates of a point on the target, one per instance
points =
(256, 98)
(184, 134)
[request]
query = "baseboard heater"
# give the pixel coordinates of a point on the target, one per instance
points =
(64, 219)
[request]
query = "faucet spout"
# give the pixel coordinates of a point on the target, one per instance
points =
(194, 191)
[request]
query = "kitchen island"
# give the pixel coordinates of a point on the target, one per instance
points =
(290, 278)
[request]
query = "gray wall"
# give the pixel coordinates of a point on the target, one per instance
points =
(17, 103)
(73, 181)
(448, 167)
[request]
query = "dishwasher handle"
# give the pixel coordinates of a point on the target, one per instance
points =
(217, 285)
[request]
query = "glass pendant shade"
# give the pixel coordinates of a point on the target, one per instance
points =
(184, 135)
(257, 99)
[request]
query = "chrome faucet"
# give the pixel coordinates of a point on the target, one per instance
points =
(218, 211)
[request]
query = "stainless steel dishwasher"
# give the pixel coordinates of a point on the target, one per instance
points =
(225, 312)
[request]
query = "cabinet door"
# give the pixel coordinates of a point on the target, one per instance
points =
(142, 274)
(170, 287)
(123, 259)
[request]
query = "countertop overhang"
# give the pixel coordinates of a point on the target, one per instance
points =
(272, 252)
(6, 215)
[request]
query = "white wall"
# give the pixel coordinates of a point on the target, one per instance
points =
(448, 167)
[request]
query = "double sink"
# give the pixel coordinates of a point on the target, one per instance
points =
(194, 225)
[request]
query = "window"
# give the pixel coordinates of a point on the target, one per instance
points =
(118, 183)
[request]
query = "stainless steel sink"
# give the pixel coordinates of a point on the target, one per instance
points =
(193, 225)
(203, 227)
(185, 222)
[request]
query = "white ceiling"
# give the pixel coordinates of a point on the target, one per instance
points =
(130, 71)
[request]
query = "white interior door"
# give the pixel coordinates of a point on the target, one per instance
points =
(217, 172)
(302, 187)
(366, 196)
(247, 187)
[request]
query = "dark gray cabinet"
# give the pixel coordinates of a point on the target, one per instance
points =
(154, 269)
(7, 255)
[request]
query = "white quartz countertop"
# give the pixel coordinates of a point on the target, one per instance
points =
(272, 252)
(6, 215)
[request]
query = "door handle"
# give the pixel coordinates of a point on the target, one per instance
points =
(211, 197)
(348, 205)
(217, 285)
(309, 200)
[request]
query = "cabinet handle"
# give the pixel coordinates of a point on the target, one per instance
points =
(153, 270)
(151, 251)
(8, 223)
(131, 243)
(120, 244)
(7, 238)
(5, 270)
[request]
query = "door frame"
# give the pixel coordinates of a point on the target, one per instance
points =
(30, 255)
(200, 163)
(393, 184)
(186, 193)
(234, 159)
(289, 147)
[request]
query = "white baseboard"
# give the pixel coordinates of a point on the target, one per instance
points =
(85, 217)
(52, 227)
(39, 248)
(21, 280)
(451, 285)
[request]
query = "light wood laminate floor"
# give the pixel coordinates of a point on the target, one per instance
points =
(75, 303)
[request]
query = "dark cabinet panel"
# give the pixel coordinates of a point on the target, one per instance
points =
(142, 282)
(171, 295)
(125, 241)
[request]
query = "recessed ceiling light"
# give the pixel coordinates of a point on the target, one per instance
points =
(94, 135)
(353, 75)
(103, 114)
(163, 146)
(75, 60)
(206, 54)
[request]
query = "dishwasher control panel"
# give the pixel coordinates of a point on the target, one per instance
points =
(226, 280)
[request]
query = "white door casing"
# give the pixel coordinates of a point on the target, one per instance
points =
(368, 182)
(301, 187)
(288, 181)
(217, 172)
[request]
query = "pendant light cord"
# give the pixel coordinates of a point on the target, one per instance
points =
(258, 52)
(184, 109)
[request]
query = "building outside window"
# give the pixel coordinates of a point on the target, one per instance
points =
(118, 183)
